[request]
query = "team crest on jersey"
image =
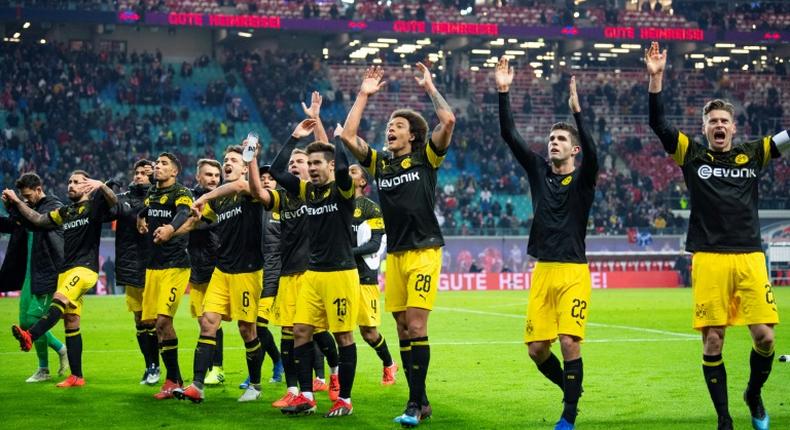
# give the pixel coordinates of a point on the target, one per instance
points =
(530, 327)
(163, 199)
(146, 201)
(741, 159)
(357, 213)
(406, 163)
(80, 210)
(567, 180)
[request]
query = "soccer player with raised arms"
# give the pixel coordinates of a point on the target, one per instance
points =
(729, 278)
(559, 297)
(407, 180)
(82, 220)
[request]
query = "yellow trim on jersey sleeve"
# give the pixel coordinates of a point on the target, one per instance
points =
(55, 217)
(434, 158)
(766, 150)
(346, 194)
(376, 223)
(208, 212)
(184, 200)
(374, 161)
(275, 202)
(303, 190)
(680, 152)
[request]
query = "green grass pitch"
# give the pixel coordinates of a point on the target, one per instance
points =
(642, 371)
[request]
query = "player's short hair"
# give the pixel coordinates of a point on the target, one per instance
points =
(717, 104)
(418, 126)
(213, 163)
(173, 159)
(142, 163)
(570, 129)
(29, 180)
(298, 151)
(80, 172)
(365, 174)
(266, 168)
(320, 147)
(234, 148)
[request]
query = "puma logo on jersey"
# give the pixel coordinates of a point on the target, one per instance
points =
(705, 172)
(229, 214)
(388, 183)
(76, 223)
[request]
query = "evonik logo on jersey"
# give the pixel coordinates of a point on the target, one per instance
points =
(76, 223)
(322, 209)
(388, 183)
(286, 215)
(229, 214)
(160, 213)
(705, 172)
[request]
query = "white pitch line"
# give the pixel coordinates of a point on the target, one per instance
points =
(621, 327)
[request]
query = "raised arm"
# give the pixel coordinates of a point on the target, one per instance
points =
(589, 167)
(239, 186)
(314, 112)
(370, 85)
(91, 185)
(655, 61)
(42, 221)
(503, 76)
(781, 141)
(279, 168)
(256, 188)
(443, 132)
(342, 178)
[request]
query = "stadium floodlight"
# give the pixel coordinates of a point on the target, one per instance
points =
(697, 56)
(631, 46)
(725, 45)
(752, 48)
(26, 25)
(498, 42)
(16, 35)
(481, 51)
(377, 61)
(532, 45)
(425, 41)
(378, 45)
(386, 40)
(603, 45)
(745, 67)
(511, 40)
(620, 50)
(515, 52)
(739, 51)
(474, 68)
(535, 64)
(43, 41)
(699, 65)
(244, 34)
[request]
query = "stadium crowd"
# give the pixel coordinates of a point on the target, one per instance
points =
(54, 122)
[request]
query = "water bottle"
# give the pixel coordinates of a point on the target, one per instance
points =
(252, 144)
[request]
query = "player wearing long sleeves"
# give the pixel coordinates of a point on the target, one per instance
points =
(729, 277)
(562, 195)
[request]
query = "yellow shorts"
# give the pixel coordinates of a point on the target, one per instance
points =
(412, 279)
(731, 289)
(265, 305)
(369, 310)
(134, 299)
(329, 300)
(197, 296)
(284, 306)
(234, 295)
(559, 299)
(163, 291)
(73, 284)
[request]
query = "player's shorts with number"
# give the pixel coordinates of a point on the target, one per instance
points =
(329, 300)
(197, 296)
(234, 295)
(369, 309)
(732, 289)
(163, 291)
(74, 283)
(412, 279)
(134, 298)
(559, 301)
(284, 306)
